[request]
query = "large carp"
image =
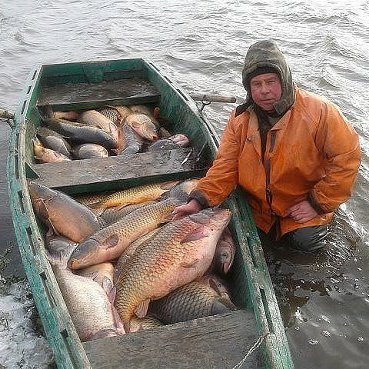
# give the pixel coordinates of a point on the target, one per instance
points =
(46, 155)
(82, 133)
(177, 254)
(109, 242)
(89, 150)
(135, 195)
(96, 119)
(53, 140)
(132, 141)
(143, 125)
(194, 300)
(62, 214)
(88, 304)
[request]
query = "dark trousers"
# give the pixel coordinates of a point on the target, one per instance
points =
(307, 239)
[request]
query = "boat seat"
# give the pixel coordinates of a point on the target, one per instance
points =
(217, 342)
(70, 96)
(100, 174)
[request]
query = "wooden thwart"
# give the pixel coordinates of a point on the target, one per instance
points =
(117, 169)
(94, 95)
(217, 342)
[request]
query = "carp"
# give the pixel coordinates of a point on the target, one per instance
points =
(143, 125)
(224, 253)
(46, 155)
(177, 254)
(91, 311)
(143, 109)
(89, 150)
(82, 133)
(62, 214)
(132, 141)
(135, 195)
(194, 300)
(109, 242)
(95, 119)
(53, 140)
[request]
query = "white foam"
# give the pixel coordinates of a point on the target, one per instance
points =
(21, 346)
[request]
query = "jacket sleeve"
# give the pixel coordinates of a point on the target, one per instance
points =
(340, 145)
(222, 177)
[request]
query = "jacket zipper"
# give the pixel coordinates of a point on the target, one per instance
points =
(268, 192)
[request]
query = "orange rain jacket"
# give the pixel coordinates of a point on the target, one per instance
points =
(312, 153)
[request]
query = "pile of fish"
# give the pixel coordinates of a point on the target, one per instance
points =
(111, 130)
(122, 263)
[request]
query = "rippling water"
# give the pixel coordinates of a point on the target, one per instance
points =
(324, 299)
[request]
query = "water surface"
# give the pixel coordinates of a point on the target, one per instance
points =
(201, 45)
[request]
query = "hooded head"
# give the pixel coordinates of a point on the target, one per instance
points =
(265, 57)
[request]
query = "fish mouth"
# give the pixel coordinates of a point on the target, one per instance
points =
(73, 263)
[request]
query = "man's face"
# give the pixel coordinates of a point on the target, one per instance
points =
(266, 90)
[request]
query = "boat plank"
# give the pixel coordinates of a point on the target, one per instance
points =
(216, 342)
(116, 169)
(94, 95)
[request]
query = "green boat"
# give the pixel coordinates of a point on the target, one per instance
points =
(251, 337)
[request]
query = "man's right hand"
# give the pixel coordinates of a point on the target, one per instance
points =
(191, 208)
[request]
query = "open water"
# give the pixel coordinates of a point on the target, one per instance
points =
(201, 45)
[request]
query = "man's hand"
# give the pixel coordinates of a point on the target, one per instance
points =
(191, 208)
(302, 212)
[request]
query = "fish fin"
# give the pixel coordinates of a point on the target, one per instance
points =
(117, 321)
(142, 308)
(221, 306)
(107, 285)
(198, 234)
(112, 294)
(168, 185)
(55, 260)
(189, 264)
(111, 241)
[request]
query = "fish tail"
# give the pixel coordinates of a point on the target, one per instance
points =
(46, 111)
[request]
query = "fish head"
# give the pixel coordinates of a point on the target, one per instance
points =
(225, 252)
(143, 125)
(180, 139)
(214, 218)
(224, 255)
(84, 254)
(39, 192)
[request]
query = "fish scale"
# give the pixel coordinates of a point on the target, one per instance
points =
(169, 260)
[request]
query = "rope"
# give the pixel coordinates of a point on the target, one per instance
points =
(256, 345)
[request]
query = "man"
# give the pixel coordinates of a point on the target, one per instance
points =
(293, 153)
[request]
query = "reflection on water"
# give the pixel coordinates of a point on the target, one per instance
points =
(324, 299)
